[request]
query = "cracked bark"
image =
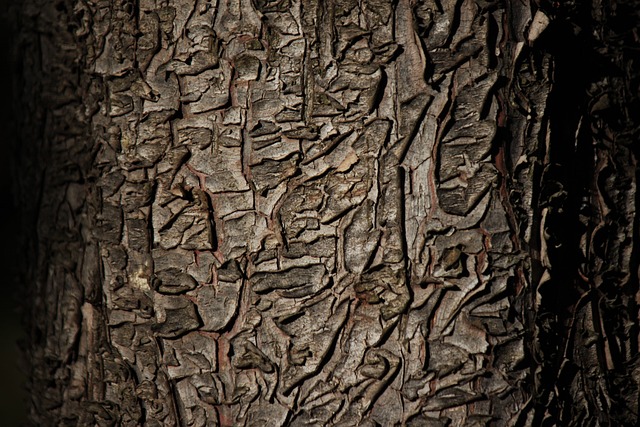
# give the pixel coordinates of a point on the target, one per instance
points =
(305, 212)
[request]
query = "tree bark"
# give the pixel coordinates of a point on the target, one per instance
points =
(340, 212)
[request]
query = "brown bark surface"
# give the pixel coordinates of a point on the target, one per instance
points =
(331, 212)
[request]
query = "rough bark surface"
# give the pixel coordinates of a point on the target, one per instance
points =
(340, 212)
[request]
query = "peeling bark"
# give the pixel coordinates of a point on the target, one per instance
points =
(305, 212)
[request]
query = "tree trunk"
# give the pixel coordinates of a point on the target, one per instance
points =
(340, 212)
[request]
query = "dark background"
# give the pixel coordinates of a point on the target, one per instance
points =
(13, 395)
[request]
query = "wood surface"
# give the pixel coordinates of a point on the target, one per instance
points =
(331, 212)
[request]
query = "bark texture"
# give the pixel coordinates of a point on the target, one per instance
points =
(340, 212)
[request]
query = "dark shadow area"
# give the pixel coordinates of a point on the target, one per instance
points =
(590, 200)
(13, 395)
